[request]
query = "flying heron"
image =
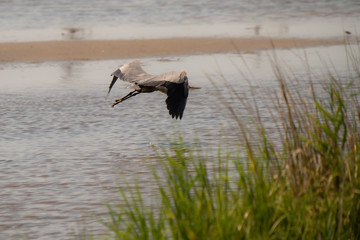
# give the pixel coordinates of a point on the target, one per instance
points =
(174, 84)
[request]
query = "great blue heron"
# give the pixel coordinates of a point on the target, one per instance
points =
(174, 84)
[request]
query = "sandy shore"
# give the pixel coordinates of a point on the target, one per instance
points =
(112, 49)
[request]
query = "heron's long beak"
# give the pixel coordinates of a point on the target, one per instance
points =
(112, 83)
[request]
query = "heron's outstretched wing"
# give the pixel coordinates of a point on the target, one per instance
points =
(172, 76)
(131, 72)
(177, 96)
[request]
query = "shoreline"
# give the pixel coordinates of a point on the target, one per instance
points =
(112, 49)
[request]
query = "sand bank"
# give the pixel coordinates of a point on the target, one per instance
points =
(112, 49)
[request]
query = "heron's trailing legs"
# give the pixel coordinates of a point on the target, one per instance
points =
(131, 94)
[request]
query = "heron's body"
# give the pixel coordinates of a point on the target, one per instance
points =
(174, 84)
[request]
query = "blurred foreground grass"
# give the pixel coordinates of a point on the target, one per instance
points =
(303, 184)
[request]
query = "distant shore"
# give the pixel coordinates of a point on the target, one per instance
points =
(113, 49)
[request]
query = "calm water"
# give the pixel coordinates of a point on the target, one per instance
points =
(23, 20)
(63, 146)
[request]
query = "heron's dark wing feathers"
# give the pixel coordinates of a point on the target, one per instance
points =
(176, 100)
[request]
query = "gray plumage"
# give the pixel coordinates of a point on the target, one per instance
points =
(174, 84)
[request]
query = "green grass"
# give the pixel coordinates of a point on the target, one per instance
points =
(305, 184)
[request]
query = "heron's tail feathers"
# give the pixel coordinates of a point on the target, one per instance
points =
(193, 88)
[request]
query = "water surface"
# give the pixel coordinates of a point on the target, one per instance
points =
(56, 20)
